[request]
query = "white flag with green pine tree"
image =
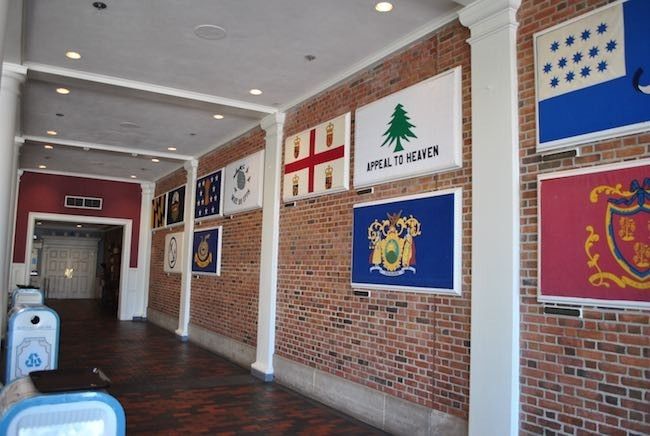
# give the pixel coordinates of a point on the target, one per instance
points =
(399, 129)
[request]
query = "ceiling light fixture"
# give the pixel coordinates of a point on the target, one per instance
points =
(79, 226)
(384, 7)
(42, 167)
(256, 91)
(63, 91)
(133, 177)
(217, 116)
(210, 32)
(48, 146)
(73, 55)
(155, 160)
(52, 132)
(171, 148)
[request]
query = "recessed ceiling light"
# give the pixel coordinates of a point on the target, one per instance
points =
(48, 146)
(79, 226)
(129, 124)
(52, 132)
(155, 160)
(256, 91)
(42, 167)
(210, 31)
(133, 177)
(217, 116)
(63, 91)
(72, 55)
(171, 148)
(38, 223)
(384, 7)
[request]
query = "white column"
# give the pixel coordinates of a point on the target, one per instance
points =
(4, 11)
(494, 362)
(263, 366)
(186, 275)
(144, 249)
(12, 77)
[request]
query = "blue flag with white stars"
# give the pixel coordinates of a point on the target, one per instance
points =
(208, 195)
(593, 76)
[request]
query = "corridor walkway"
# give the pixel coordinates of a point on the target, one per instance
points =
(170, 387)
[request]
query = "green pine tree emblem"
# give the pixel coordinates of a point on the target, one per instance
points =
(399, 129)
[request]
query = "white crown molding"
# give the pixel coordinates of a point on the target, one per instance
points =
(146, 87)
(113, 148)
(84, 175)
(368, 61)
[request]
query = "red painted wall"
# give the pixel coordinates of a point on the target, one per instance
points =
(46, 193)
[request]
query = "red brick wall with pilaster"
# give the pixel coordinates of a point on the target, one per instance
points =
(578, 376)
(227, 304)
(413, 346)
(165, 289)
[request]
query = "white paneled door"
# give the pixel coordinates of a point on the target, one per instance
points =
(69, 267)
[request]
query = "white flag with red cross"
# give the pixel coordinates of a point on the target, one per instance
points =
(317, 161)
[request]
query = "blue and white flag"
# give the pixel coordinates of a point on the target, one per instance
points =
(209, 192)
(592, 75)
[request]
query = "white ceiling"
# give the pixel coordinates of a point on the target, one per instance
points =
(132, 48)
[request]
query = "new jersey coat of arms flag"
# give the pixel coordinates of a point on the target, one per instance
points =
(593, 76)
(317, 161)
(409, 243)
(594, 232)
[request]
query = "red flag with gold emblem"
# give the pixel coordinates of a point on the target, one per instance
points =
(594, 229)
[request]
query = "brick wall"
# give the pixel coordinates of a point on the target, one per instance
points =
(413, 346)
(578, 376)
(164, 289)
(228, 304)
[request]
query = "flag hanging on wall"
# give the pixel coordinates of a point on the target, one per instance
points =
(594, 233)
(317, 161)
(176, 206)
(209, 192)
(593, 76)
(158, 211)
(243, 181)
(409, 243)
(173, 256)
(206, 251)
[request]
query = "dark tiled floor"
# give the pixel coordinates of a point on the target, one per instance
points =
(170, 387)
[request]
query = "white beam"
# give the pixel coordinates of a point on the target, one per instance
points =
(146, 87)
(105, 147)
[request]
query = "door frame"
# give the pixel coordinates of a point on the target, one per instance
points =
(82, 219)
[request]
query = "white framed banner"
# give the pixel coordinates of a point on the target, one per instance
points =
(592, 76)
(243, 181)
(317, 161)
(206, 251)
(410, 133)
(209, 196)
(410, 243)
(173, 257)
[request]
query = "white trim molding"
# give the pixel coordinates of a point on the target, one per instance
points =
(125, 303)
